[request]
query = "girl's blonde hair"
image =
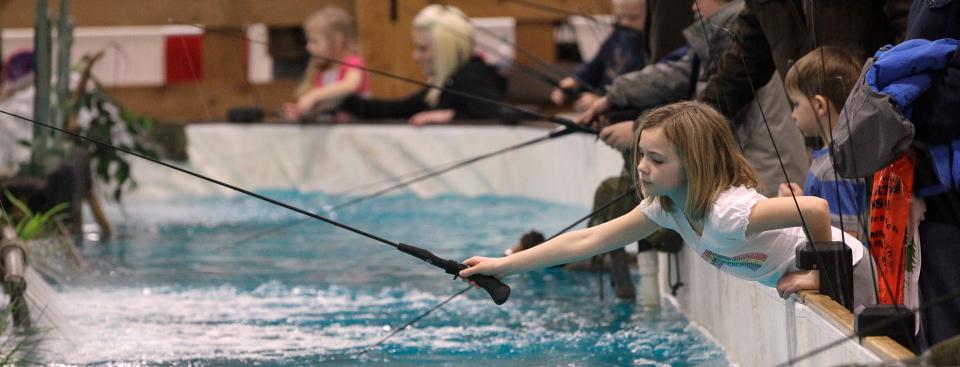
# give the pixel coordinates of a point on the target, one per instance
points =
(451, 39)
(708, 153)
(327, 22)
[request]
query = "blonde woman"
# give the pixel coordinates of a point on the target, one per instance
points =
(443, 48)
(697, 183)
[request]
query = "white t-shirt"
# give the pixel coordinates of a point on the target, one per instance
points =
(763, 257)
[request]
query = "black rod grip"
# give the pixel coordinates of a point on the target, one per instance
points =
(497, 290)
(573, 125)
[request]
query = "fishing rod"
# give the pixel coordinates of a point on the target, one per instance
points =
(467, 288)
(573, 93)
(540, 61)
(818, 257)
(812, 38)
(803, 224)
(407, 182)
(828, 132)
(537, 74)
(523, 111)
(497, 290)
(569, 125)
(559, 11)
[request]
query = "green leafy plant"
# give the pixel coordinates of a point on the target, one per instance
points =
(32, 225)
(111, 123)
(103, 119)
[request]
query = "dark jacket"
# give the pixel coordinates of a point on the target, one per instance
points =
(935, 113)
(665, 20)
(771, 34)
(622, 52)
(670, 81)
(475, 78)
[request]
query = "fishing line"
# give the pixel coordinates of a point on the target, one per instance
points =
(526, 112)
(467, 288)
(887, 321)
(803, 223)
(405, 183)
(498, 291)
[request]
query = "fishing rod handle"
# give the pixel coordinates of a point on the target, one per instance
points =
(497, 290)
(571, 94)
(573, 126)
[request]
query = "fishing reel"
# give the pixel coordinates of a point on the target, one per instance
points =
(834, 260)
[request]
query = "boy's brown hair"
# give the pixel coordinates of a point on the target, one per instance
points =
(708, 153)
(828, 71)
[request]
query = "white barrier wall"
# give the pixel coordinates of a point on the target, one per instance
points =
(333, 159)
(752, 322)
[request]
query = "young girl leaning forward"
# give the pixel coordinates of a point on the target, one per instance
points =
(697, 183)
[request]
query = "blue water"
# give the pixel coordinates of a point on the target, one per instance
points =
(171, 289)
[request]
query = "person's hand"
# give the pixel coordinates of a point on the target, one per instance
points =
(482, 265)
(784, 190)
(618, 136)
(557, 94)
(290, 111)
(432, 117)
(798, 281)
(305, 103)
(594, 113)
(585, 101)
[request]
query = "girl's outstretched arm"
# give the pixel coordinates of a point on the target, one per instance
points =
(568, 247)
(350, 84)
(782, 212)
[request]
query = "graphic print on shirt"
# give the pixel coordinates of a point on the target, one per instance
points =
(751, 261)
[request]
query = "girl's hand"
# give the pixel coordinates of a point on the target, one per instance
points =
(798, 281)
(482, 265)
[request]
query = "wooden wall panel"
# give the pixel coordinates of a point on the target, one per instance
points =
(218, 13)
(385, 44)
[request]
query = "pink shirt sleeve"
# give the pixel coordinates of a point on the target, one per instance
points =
(350, 62)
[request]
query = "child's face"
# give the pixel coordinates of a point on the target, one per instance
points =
(423, 52)
(631, 15)
(804, 114)
(658, 165)
(323, 45)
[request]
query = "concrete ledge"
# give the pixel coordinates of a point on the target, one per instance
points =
(758, 328)
(335, 159)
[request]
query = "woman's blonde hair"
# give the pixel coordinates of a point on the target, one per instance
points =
(707, 150)
(327, 22)
(451, 39)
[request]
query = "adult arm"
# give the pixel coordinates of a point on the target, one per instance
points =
(654, 85)
(374, 108)
(748, 59)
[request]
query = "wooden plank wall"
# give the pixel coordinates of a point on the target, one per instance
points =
(385, 43)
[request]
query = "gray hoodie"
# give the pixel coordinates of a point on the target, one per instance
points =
(668, 82)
